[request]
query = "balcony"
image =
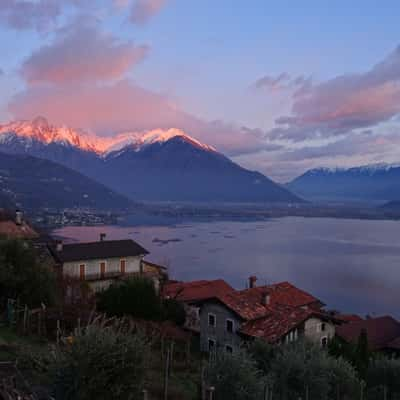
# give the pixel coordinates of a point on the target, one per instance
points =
(109, 275)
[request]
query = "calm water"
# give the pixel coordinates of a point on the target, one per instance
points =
(352, 265)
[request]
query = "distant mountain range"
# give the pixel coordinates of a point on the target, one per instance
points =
(31, 183)
(377, 182)
(159, 165)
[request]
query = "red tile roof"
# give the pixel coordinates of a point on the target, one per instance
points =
(196, 290)
(11, 230)
(348, 317)
(382, 332)
(282, 293)
(278, 322)
(268, 311)
(253, 303)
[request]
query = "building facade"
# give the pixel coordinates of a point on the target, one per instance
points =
(99, 263)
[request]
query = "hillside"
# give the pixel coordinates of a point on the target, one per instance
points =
(30, 183)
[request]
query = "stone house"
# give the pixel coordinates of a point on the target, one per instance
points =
(192, 294)
(279, 313)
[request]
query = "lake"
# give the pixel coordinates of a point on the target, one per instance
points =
(351, 265)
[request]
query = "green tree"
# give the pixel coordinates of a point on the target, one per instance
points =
(235, 377)
(362, 355)
(23, 276)
(135, 296)
(101, 363)
(174, 311)
(304, 370)
(383, 379)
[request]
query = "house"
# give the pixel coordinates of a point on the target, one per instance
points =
(14, 226)
(191, 294)
(99, 263)
(278, 313)
(383, 333)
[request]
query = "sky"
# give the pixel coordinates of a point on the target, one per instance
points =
(279, 87)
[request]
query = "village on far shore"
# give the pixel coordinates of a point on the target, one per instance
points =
(223, 318)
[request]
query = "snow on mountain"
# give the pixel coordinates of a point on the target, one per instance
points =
(39, 129)
(369, 168)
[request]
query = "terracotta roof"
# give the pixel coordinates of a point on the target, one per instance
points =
(154, 265)
(196, 290)
(281, 293)
(253, 303)
(382, 332)
(98, 250)
(279, 321)
(348, 317)
(10, 229)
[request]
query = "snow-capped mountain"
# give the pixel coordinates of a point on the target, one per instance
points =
(39, 130)
(154, 165)
(373, 182)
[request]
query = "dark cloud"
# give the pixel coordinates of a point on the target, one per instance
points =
(28, 14)
(282, 82)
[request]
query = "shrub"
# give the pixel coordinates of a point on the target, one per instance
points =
(23, 277)
(235, 377)
(174, 311)
(100, 363)
(136, 297)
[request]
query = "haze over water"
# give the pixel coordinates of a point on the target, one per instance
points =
(351, 265)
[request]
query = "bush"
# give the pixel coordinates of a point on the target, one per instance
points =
(136, 297)
(305, 370)
(100, 363)
(174, 311)
(235, 377)
(23, 277)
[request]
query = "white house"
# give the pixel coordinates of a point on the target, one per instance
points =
(99, 263)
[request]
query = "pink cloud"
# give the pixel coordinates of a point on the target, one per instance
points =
(82, 53)
(123, 106)
(347, 102)
(143, 10)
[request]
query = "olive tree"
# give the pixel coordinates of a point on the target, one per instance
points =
(101, 362)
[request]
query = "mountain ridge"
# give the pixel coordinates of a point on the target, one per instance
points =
(158, 165)
(371, 182)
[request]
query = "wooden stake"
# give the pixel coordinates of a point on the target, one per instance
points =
(166, 374)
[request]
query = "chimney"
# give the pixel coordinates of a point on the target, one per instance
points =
(252, 281)
(18, 217)
(266, 299)
(59, 245)
(102, 237)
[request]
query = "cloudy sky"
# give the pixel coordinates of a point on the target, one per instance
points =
(278, 86)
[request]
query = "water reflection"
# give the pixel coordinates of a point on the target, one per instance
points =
(351, 265)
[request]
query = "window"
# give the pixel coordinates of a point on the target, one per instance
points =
(212, 320)
(123, 266)
(229, 325)
(229, 349)
(324, 342)
(323, 327)
(211, 345)
(82, 271)
(103, 269)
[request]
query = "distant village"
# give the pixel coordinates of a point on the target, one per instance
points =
(222, 318)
